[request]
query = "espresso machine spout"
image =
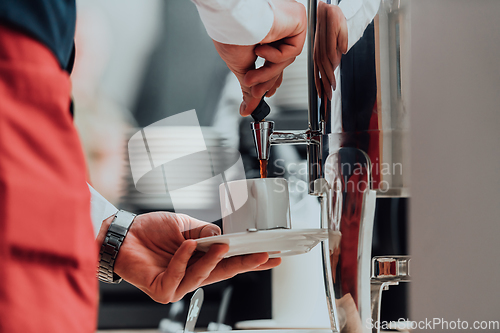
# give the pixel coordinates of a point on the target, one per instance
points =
(264, 137)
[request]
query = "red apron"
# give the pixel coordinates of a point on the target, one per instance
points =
(47, 253)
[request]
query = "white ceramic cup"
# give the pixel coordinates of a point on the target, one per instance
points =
(255, 204)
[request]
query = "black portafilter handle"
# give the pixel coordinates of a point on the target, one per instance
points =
(262, 130)
(261, 111)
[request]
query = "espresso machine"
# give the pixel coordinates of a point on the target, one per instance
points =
(357, 151)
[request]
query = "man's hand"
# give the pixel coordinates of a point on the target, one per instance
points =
(329, 44)
(279, 48)
(158, 256)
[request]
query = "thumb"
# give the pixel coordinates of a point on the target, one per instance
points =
(248, 105)
(193, 228)
(342, 39)
(209, 230)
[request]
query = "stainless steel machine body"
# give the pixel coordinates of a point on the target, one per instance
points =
(357, 150)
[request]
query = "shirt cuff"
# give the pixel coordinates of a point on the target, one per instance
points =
(358, 14)
(100, 209)
(237, 22)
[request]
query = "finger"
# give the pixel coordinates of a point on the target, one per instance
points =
(317, 80)
(265, 73)
(343, 41)
(166, 282)
(320, 59)
(229, 267)
(271, 263)
(263, 88)
(333, 86)
(324, 41)
(197, 255)
(316, 64)
(334, 26)
(277, 84)
(206, 230)
(341, 29)
(193, 228)
(249, 104)
(282, 50)
(199, 271)
(238, 58)
(327, 38)
(209, 230)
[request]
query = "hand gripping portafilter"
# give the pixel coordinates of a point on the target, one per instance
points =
(262, 130)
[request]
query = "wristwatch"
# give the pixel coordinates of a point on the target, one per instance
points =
(112, 242)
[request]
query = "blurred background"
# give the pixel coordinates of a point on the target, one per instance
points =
(141, 61)
(138, 62)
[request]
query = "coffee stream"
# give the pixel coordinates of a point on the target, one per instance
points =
(263, 168)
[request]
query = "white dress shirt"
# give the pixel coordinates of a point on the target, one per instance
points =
(358, 13)
(246, 22)
(100, 209)
(238, 22)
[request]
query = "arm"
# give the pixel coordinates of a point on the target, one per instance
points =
(242, 30)
(159, 253)
(159, 256)
(338, 28)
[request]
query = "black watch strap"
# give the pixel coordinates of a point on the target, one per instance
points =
(111, 245)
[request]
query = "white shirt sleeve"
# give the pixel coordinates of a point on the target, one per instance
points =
(358, 13)
(237, 22)
(100, 209)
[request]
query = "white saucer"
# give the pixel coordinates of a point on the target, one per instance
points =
(278, 242)
(271, 324)
(281, 331)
